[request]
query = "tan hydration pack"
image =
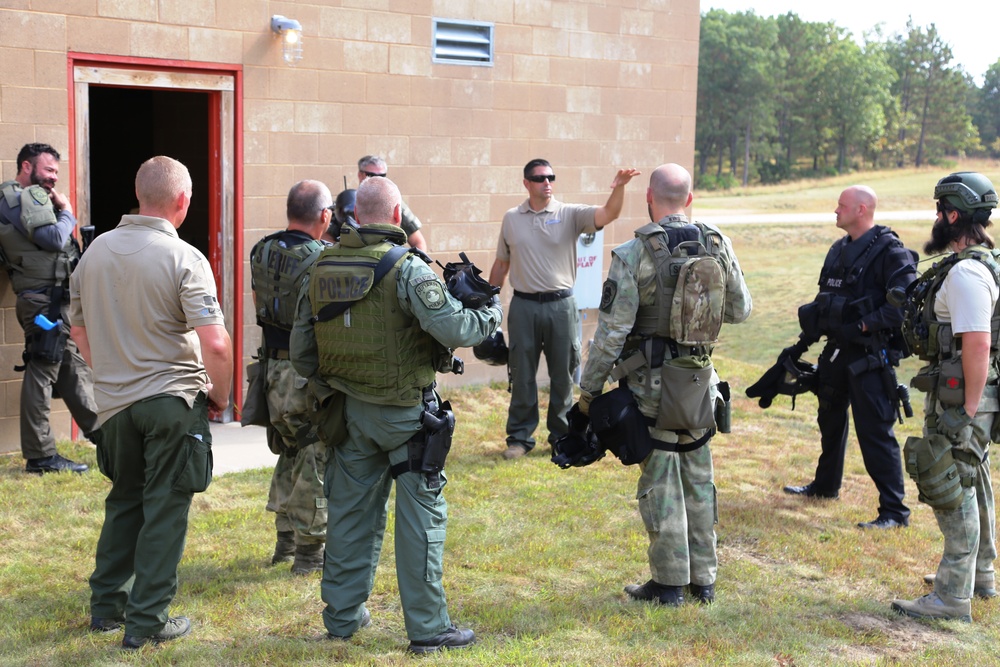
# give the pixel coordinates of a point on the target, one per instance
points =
(676, 333)
(691, 282)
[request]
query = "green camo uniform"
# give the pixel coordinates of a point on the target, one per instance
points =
(676, 491)
(296, 495)
(970, 530)
(380, 419)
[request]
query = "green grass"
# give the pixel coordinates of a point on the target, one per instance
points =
(537, 557)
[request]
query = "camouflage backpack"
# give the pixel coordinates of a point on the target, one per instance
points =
(691, 281)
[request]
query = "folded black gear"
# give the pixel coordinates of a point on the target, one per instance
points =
(789, 376)
(579, 447)
(464, 283)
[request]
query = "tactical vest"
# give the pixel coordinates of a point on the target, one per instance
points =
(844, 294)
(690, 299)
(277, 264)
(30, 267)
(373, 351)
(928, 337)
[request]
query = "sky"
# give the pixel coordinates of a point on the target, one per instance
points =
(971, 28)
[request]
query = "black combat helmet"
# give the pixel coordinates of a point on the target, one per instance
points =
(343, 212)
(343, 208)
(967, 191)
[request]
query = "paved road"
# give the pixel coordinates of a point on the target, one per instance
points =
(723, 217)
(236, 448)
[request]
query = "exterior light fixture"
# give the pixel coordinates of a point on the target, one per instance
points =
(290, 32)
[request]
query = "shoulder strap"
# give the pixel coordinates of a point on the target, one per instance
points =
(389, 259)
(11, 191)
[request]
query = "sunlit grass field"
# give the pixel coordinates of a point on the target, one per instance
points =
(536, 557)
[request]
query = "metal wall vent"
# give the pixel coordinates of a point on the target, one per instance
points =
(463, 42)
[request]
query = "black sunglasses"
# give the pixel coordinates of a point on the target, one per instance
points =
(373, 175)
(541, 178)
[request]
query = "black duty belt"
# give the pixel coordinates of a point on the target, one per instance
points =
(277, 354)
(545, 297)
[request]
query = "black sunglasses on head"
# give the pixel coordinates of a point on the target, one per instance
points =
(541, 178)
(373, 175)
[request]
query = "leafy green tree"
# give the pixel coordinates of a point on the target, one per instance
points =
(800, 116)
(736, 86)
(986, 110)
(856, 94)
(931, 100)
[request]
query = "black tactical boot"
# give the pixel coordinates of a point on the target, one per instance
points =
(450, 638)
(703, 594)
(284, 547)
(309, 558)
(651, 591)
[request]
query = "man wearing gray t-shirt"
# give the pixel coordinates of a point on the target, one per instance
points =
(537, 249)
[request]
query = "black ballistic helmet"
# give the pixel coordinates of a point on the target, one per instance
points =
(343, 208)
(579, 446)
(799, 377)
(493, 350)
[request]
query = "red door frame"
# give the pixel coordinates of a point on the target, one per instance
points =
(215, 134)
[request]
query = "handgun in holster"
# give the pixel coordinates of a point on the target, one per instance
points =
(428, 449)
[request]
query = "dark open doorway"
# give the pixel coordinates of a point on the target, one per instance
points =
(131, 125)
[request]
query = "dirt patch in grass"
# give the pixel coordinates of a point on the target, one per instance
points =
(893, 639)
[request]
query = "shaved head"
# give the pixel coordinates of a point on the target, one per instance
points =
(863, 195)
(856, 210)
(377, 199)
(669, 190)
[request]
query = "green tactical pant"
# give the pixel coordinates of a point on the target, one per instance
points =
(677, 502)
(296, 495)
(533, 328)
(357, 485)
(970, 530)
(158, 454)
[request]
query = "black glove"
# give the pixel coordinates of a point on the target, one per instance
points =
(795, 351)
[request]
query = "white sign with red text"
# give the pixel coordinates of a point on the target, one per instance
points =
(589, 270)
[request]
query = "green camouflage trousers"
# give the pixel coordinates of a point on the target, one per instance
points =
(970, 530)
(296, 496)
(677, 502)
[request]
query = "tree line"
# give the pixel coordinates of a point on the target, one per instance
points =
(782, 98)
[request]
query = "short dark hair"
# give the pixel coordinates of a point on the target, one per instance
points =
(31, 151)
(537, 162)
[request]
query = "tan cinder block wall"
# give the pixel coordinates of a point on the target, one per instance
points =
(590, 86)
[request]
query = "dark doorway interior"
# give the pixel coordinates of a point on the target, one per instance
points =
(129, 126)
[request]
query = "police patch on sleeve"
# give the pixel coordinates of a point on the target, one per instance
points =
(431, 293)
(608, 294)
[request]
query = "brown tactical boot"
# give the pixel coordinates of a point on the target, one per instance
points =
(309, 558)
(284, 547)
(934, 606)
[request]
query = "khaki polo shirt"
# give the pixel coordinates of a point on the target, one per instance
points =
(541, 245)
(140, 291)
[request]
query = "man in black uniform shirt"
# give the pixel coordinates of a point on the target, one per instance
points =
(863, 344)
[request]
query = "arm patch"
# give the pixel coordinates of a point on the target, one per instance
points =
(430, 291)
(608, 294)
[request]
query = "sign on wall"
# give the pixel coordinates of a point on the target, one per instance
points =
(589, 270)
